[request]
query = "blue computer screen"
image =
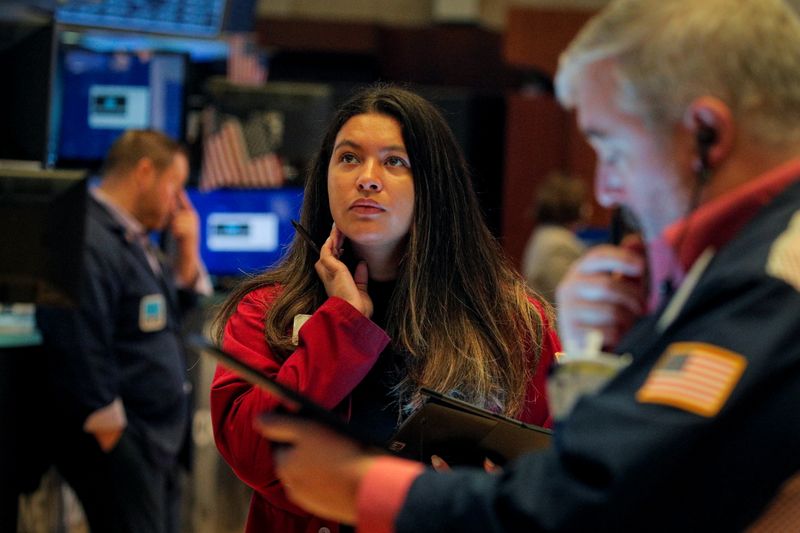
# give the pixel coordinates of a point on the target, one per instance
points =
(243, 231)
(202, 18)
(103, 94)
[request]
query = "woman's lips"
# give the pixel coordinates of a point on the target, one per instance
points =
(366, 207)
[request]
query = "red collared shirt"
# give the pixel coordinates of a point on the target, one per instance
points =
(717, 221)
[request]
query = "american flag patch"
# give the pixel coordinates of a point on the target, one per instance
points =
(693, 376)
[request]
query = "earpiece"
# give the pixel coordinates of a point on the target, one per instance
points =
(706, 138)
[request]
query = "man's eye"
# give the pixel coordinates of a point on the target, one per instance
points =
(612, 158)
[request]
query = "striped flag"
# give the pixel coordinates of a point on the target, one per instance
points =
(227, 162)
(245, 61)
(693, 376)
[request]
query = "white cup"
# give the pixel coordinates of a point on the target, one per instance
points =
(576, 376)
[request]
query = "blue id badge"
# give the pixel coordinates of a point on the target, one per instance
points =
(152, 313)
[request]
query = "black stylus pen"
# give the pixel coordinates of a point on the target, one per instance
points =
(305, 235)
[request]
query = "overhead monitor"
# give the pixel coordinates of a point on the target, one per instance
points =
(244, 231)
(288, 118)
(26, 51)
(241, 16)
(197, 18)
(102, 94)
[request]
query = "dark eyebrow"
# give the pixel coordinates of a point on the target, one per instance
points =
(345, 142)
(395, 148)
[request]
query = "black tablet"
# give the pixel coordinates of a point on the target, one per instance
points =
(463, 434)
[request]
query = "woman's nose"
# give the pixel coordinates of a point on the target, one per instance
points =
(368, 179)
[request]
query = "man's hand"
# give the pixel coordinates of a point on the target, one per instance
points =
(320, 469)
(108, 439)
(185, 228)
(603, 291)
(107, 424)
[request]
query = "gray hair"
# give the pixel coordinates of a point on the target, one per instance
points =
(669, 52)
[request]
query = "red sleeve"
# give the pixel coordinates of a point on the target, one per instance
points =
(337, 348)
(383, 491)
(537, 410)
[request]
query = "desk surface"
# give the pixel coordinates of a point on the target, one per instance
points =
(18, 326)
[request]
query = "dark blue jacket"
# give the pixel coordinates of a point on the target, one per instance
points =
(102, 349)
(619, 464)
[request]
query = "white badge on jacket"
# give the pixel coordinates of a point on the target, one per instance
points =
(299, 320)
(152, 313)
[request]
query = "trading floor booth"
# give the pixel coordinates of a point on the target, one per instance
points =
(42, 219)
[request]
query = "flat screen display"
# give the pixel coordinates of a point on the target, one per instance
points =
(105, 93)
(244, 231)
(26, 46)
(201, 18)
(289, 118)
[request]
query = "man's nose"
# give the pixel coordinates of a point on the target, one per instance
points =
(607, 189)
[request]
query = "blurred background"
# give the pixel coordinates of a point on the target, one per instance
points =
(248, 85)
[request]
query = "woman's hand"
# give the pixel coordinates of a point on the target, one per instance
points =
(337, 278)
(440, 465)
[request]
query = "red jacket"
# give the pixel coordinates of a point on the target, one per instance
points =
(337, 348)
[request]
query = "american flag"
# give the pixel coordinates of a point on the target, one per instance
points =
(693, 376)
(227, 162)
(245, 61)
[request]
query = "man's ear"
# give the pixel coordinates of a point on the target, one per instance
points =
(710, 121)
(144, 173)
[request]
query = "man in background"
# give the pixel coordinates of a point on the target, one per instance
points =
(559, 208)
(122, 410)
(694, 111)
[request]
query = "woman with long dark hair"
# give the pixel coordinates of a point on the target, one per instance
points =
(409, 289)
